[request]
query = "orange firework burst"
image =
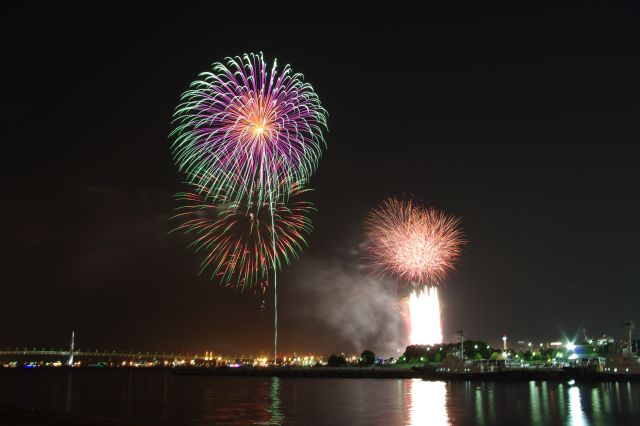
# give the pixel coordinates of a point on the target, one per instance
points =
(412, 242)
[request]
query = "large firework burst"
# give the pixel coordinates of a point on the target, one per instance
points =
(414, 243)
(250, 130)
(237, 237)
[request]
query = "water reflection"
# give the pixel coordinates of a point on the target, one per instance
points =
(479, 405)
(538, 403)
(162, 398)
(165, 399)
(576, 413)
(595, 401)
(273, 410)
(427, 403)
(536, 406)
(546, 409)
(69, 392)
(561, 407)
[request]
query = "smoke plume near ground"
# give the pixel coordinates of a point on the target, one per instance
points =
(360, 310)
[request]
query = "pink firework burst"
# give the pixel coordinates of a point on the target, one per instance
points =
(414, 243)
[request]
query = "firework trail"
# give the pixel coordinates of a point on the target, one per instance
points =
(252, 133)
(419, 245)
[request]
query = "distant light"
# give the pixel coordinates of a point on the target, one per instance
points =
(571, 346)
(504, 338)
(572, 382)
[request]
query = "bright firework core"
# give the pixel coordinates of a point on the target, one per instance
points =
(422, 315)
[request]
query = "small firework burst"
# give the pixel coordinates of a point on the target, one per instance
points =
(237, 239)
(411, 242)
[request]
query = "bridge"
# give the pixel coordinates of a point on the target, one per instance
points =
(95, 354)
(72, 352)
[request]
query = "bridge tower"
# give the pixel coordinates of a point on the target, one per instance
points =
(73, 338)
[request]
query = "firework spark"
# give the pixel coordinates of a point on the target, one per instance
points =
(237, 238)
(421, 312)
(251, 135)
(414, 243)
(419, 245)
(249, 130)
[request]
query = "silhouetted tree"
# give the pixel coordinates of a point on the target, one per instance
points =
(367, 357)
(336, 361)
(414, 353)
(473, 347)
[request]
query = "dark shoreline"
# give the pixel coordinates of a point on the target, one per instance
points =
(426, 373)
(408, 373)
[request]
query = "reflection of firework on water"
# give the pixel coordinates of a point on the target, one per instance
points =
(414, 243)
(249, 129)
(427, 402)
(236, 238)
(421, 314)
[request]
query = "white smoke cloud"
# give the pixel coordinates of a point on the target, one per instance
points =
(357, 308)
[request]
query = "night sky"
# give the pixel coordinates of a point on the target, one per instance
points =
(523, 124)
